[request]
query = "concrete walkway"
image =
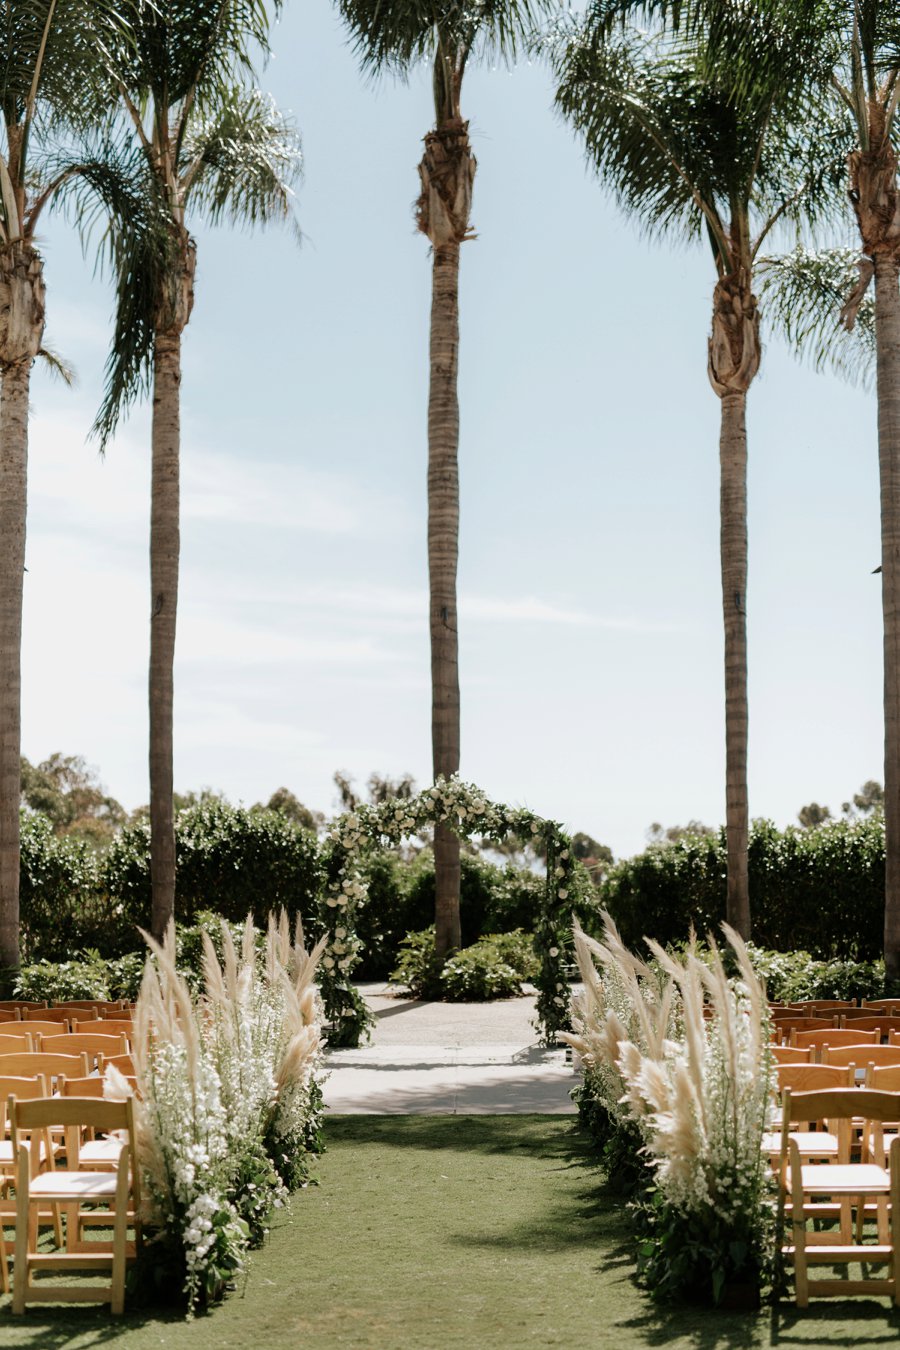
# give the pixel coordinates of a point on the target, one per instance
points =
(449, 1059)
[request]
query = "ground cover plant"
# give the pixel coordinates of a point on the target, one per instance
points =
(493, 967)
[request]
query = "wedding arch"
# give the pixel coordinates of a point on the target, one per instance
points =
(466, 810)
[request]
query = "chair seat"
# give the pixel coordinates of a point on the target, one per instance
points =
(811, 1143)
(100, 1151)
(843, 1179)
(73, 1186)
(7, 1158)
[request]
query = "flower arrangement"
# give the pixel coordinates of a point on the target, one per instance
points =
(228, 1096)
(689, 1048)
(465, 809)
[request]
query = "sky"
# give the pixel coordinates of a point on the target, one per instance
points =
(590, 604)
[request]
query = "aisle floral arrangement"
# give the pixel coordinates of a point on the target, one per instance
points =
(228, 1103)
(677, 1059)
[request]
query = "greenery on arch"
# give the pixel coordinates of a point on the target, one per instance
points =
(466, 810)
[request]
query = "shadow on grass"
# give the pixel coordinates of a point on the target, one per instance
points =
(53, 1327)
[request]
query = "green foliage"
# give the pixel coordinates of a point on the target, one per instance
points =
(695, 1257)
(792, 977)
(63, 904)
(227, 858)
(86, 975)
(66, 790)
(820, 890)
(493, 967)
(418, 967)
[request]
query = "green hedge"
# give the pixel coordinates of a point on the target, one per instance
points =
(63, 902)
(228, 859)
(819, 890)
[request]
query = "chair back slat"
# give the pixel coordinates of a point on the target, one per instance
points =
(833, 1036)
(103, 1026)
(14, 1042)
(99, 1113)
(45, 1015)
(841, 1104)
(792, 1054)
(27, 1064)
(883, 1077)
(866, 1021)
(90, 1044)
(44, 1026)
(860, 1053)
(811, 1077)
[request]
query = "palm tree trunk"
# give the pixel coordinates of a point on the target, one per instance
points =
(887, 339)
(13, 477)
(164, 557)
(443, 552)
(733, 547)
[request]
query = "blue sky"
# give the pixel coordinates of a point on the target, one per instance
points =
(590, 611)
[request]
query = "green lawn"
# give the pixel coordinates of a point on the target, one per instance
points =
(444, 1232)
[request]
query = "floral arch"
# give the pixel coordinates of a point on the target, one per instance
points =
(466, 810)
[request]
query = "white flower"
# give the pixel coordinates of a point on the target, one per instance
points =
(554, 951)
(562, 893)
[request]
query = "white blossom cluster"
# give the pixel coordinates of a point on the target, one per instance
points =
(186, 1131)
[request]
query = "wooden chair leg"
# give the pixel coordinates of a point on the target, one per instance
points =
(4, 1263)
(120, 1235)
(23, 1226)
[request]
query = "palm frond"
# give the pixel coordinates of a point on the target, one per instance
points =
(57, 365)
(394, 37)
(115, 192)
(242, 159)
(802, 295)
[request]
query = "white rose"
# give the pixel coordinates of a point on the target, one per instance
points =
(328, 962)
(562, 893)
(554, 951)
(560, 1001)
(535, 828)
(565, 853)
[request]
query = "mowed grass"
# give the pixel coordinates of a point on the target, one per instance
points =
(443, 1232)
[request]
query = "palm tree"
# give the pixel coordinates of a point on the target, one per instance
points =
(855, 58)
(199, 135)
(394, 36)
(686, 155)
(50, 75)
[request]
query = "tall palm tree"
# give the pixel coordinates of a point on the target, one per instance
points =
(854, 48)
(51, 69)
(685, 155)
(198, 136)
(393, 36)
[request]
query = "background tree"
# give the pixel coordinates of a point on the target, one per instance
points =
(685, 151)
(198, 136)
(395, 35)
(813, 815)
(66, 790)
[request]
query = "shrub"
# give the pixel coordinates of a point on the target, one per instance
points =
(228, 859)
(87, 975)
(418, 968)
(795, 976)
(63, 905)
(821, 890)
(493, 967)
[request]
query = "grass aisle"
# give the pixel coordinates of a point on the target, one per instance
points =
(443, 1232)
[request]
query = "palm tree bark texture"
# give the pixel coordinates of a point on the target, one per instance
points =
(873, 192)
(734, 356)
(21, 331)
(447, 172)
(173, 314)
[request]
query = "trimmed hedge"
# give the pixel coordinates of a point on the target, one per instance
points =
(820, 890)
(228, 859)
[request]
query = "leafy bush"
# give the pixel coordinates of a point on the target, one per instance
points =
(821, 890)
(493, 967)
(228, 859)
(87, 975)
(795, 976)
(418, 968)
(63, 904)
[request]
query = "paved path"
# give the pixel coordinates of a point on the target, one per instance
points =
(449, 1059)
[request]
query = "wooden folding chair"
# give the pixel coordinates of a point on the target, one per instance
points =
(877, 1005)
(93, 1153)
(832, 1036)
(47, 1015)
(882, 1022)
(90, 1044)
(807, 1078)
(104, 1026)
(27, 1064)
(791, 1054)
(861, 1053)
(44, 1026)
(19, 1004)
(782, 1026)
(24, 1088)
(13, 1041)
(849, 1184)
(74, 1189)
(124, 1063)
